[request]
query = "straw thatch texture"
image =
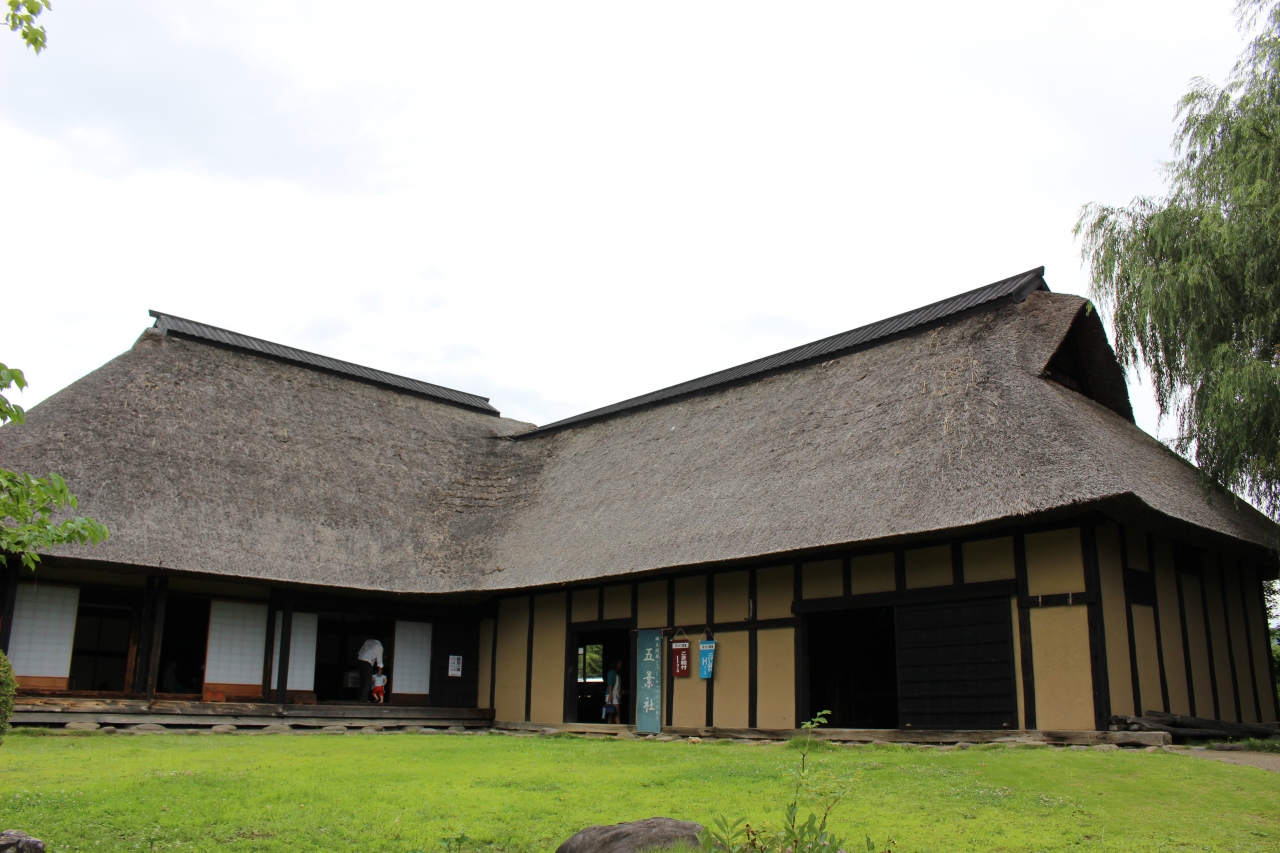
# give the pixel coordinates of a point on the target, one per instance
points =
(207, 459)
(944, 429)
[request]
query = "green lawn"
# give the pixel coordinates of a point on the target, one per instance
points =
(406, 792)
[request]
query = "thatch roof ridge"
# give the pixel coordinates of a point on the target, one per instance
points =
(985, 298)
(170, 323)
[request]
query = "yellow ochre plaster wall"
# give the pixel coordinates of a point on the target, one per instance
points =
(617, 602)
(1197, 636)
(1175, 662)
(988, 560)
(1017, 661)
(689, 694)
(732, 678)
(1144, 644)
(776, 678)
(1239, 641)
(732, 603)
(774, 591)
(691, 600)
(1115, 620)
(1063, 676)
(1257, 635)
(651, 611)
(586, 605)
(929, 567)
(546, 700)
(1054, 563)
(1212, 591)
(513, 637)
(822, 580)
(873, 573)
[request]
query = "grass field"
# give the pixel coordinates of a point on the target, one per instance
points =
(398, 792)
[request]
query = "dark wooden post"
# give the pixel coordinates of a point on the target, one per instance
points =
(157, 637)
(142, 666)
(10, 601)
(286, 640)
(268, 653)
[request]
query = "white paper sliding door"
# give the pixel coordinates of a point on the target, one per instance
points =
(302, 652)
(237, 643)
(44, 630)
(411, 674)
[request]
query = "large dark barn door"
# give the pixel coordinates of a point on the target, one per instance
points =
(955, 666)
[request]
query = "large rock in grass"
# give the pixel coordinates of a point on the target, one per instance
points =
(649, 834)
(17, 841)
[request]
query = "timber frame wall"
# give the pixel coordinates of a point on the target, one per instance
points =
(1107, 619)
(456, 628)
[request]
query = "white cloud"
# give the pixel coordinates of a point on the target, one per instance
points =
(563, 205)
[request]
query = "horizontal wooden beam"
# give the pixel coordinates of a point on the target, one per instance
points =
(926, 595)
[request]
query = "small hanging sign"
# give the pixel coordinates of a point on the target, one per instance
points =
(706, 657)
(680, 658)
(455, 666)
(649, 681)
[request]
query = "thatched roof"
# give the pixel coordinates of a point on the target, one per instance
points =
(213, 459)
(205, 458)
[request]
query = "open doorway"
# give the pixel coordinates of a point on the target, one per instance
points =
(339, 637)
(182, 646)
(102, 653)
(597, 652)
(853, 669)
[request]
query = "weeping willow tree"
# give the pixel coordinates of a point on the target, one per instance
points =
(1191, 280)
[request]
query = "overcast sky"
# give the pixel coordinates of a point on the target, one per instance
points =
(559, 206)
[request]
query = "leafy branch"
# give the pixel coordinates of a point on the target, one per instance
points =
(28, 504)
(21, 19)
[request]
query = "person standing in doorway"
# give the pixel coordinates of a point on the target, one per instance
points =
(370, 655)
(613, 693)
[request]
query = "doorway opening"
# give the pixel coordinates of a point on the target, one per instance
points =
(597, 652)
(182, 645)
(102, 653)
(853, 667)
(339, 637)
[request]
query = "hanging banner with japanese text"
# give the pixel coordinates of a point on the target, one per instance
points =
(649, 681)
(706, 658)
(680, 658)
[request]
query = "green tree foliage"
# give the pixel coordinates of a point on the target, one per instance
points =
(21, 19)
(1191, 280)
(8, 690)
(28, 504)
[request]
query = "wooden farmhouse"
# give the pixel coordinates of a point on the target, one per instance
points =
(945, 521)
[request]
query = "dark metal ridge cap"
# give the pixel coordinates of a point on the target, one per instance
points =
(168, 323)
(989, 297)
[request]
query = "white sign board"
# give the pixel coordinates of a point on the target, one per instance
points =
(455, 666)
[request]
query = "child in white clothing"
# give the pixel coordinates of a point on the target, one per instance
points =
(379, 687)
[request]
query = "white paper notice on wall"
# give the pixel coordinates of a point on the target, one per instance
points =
(455, 666)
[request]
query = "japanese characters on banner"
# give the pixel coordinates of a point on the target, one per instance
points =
(680, 658)
(649, 681)
(706, 657)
